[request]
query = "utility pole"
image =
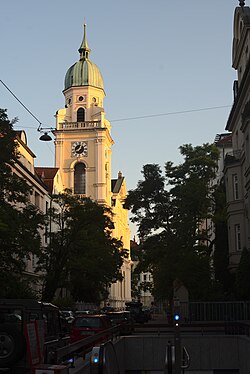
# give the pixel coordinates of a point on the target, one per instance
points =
(177, 337)
(177, 344)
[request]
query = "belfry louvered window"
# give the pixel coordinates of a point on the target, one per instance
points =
(81, 115)
(80, 179)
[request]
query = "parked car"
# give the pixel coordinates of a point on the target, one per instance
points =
(87, 311)
(68, 315)
(107, 309)
(87, 325)
(80, 312)
(138, 315)
(123, 319)
(147, 313)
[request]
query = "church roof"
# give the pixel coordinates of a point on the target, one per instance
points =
(47, 175)
(84, 72)
(244, 14)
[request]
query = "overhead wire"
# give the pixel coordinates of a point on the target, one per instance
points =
(24, 106)
(128, 118)
(170, 113)
(12, 93)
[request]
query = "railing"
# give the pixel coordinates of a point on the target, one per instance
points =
(232, 157)
(208, 311)
(215, 311)
(79, 125)
(81, 347)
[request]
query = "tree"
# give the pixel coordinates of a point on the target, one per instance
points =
(149, 202)
(221, 250)
(19, 220)
(169, 212)
(82, 255)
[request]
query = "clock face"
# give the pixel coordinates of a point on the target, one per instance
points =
(79, 149)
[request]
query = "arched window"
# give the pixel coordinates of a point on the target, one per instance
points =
(79, 179)
(81, 115)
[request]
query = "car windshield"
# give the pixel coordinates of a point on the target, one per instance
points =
(87, 322)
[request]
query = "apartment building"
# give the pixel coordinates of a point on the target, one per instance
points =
(237, 162)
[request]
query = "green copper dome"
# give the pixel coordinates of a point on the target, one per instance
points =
(84, 72)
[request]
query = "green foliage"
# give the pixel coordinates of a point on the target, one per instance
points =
(221, 254)
(15, 286)
(191, 194)
(19, 220)
(149, 201)
(82, 255)
(66, 303)
(169, 212)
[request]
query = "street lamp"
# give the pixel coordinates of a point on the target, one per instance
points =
(45, 137)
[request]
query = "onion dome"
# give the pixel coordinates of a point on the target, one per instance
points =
(84, 72)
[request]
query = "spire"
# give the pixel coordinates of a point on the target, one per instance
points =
(242, 3)
(84, 49)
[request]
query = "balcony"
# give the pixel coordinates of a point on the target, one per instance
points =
(79, 125)
(233, 157)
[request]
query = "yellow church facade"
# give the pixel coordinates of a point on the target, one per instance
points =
(83, 154)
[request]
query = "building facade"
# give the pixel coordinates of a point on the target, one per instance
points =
(39, 196)
(83, 154)
(237, 162)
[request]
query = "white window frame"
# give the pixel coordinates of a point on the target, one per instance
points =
(235, 187)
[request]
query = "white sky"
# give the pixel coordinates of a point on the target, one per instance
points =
(156, 57)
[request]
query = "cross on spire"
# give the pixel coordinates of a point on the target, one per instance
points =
(242, 3)
(84, 49)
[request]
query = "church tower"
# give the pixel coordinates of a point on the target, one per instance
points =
(83, 153)
(82, 138)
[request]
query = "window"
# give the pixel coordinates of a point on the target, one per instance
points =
(237, 238)
(235, 187)
(81, 115)
(80, 179)
(37, 199)
(46, 235)
(33, 261)
(145, 277)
